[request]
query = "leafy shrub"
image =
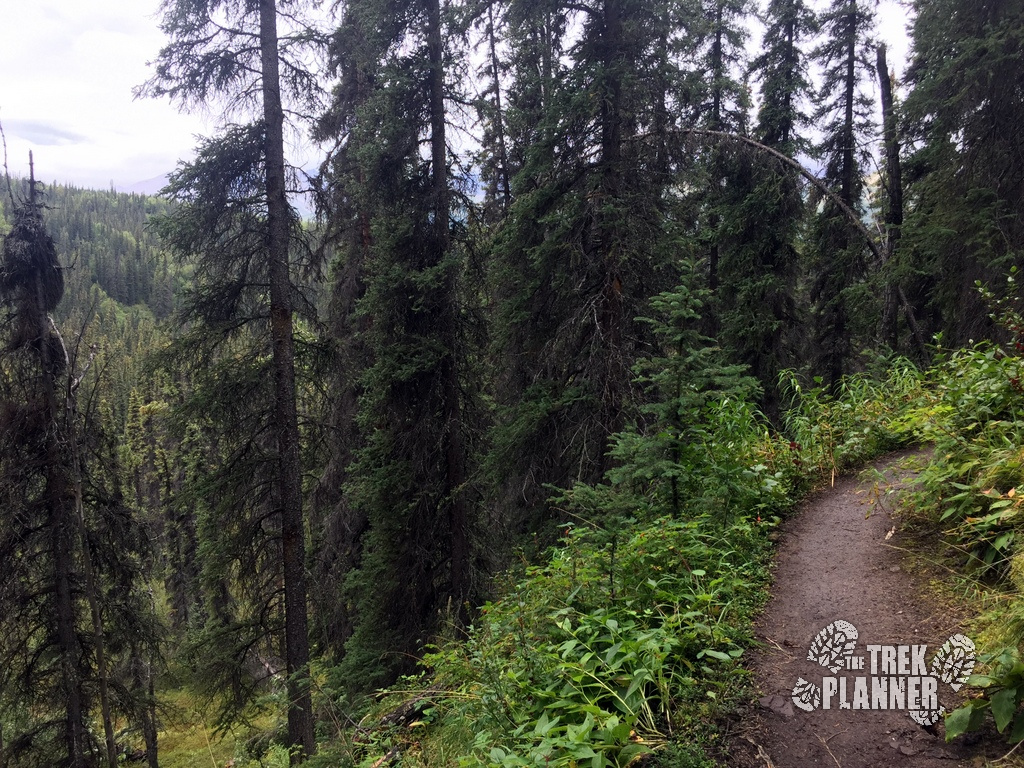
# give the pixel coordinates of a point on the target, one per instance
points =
(863, 418)
(1003, 695)
(975, 424)
(632, 629)
(974, 415)
(591, 656)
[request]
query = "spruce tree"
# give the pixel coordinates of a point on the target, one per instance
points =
(782, 72)
(44, 657)
(70, 597)
(965, 177)
(491, 106)
(667, 458)
(764, 210)
(411, 507)
(838, 259)
(719, 51)
(237, 191)
(587, 240)
(345, 210)
(225, 353)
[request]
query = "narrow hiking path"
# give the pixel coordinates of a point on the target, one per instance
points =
(835, 563)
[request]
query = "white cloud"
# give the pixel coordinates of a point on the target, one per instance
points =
(893, 18)
(67, 70)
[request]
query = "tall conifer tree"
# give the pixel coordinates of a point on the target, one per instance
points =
(247, 63)
(966, 176)
(838, 252)
(586, 241)
(72, 549)
(46, 647)
(765, 209)
(410, 508)
(719, 48)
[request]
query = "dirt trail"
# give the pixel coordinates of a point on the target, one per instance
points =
(834, 563)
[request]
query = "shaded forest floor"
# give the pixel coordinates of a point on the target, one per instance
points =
(835, 562)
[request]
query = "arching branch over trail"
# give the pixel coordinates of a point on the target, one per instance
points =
(814, 180)
(880, 254)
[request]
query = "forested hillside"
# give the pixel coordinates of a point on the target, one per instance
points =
(506, 429)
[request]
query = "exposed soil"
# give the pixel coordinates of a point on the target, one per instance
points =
(835, 562)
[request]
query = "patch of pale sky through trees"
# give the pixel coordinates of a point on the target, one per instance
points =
(67, 71)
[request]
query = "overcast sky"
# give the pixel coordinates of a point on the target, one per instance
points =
(67, 70)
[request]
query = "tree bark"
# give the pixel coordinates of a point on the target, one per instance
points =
(610, 318)
(893, 211)
(499, 116)
(849, 169)
(91, 590)
(300, 708)
(717, 124)
(455, 452)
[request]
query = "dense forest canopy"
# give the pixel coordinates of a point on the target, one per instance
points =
(564, 271)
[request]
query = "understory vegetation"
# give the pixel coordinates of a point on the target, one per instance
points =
(481, 462)
(971, 411)
(620, 630)
(633, 631)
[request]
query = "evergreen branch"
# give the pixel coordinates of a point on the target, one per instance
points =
(580, 8)
(814, 180)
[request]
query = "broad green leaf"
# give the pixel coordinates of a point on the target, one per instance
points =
(1017, 732)
(640, 678)
(543, 725)
(612, 652)
(1003, 540)
(631, 752)
(717, 655)
(980, 681)
(1004, 704)
(957, 721)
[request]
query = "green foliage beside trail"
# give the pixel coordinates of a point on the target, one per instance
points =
(970, 408)
(632, 629)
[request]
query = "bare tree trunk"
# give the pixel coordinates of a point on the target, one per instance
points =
(611, 315)
(91, 586)
(300, 708)
(893, 294)
(714, 219)
(499, 115)
(455, 451)
(91, 590)
(149, 733)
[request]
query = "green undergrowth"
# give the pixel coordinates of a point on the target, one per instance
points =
(627, 643)
(186, 738)
(972, 411)
(602, 654)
